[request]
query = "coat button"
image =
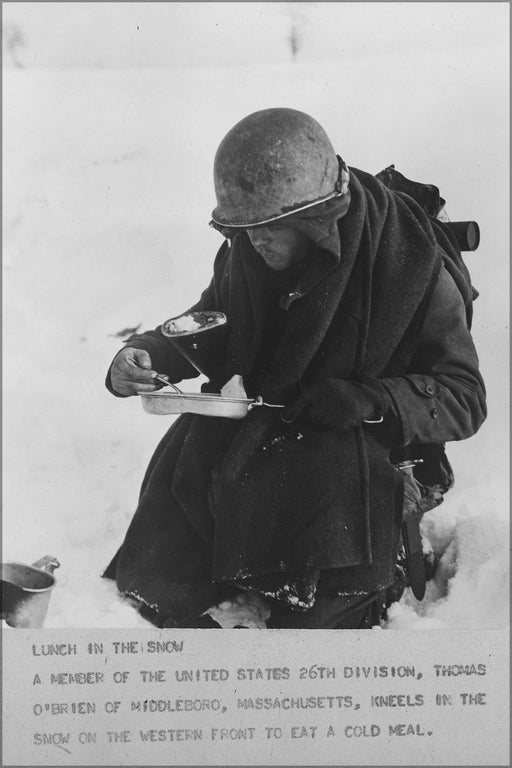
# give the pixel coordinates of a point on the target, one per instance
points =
(434, 413)
(430, 389)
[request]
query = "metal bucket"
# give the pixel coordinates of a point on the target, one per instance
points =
(26, 591)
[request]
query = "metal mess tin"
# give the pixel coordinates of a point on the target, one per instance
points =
(194, 334)
(191, 323)
(167, 403)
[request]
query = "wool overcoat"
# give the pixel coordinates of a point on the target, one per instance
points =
(265, 505)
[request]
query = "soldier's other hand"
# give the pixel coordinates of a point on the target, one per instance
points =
(336, 403)
(131, 372)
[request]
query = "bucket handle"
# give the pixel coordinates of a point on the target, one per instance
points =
(48, 563)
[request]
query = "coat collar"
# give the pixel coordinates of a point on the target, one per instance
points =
(320, 225)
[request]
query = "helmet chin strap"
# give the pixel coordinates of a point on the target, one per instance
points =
(344, 177)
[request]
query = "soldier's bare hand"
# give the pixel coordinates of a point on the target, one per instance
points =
(131, 372)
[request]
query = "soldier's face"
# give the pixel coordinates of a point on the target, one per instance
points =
(279, 246)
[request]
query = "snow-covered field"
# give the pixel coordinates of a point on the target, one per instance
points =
(107, 198)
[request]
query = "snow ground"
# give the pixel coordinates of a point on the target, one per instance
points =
(107, 197)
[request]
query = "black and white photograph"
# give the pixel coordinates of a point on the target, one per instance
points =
(255, 348)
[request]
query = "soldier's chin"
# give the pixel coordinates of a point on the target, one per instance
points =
(276, 263)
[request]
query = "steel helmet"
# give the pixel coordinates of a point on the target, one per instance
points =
(272, 164)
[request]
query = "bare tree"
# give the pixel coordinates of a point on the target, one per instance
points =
(13, 40)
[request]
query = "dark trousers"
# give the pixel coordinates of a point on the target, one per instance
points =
(331, 612)
(328, 612)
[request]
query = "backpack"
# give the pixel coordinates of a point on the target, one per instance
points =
(427, 472)
(449, 235)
